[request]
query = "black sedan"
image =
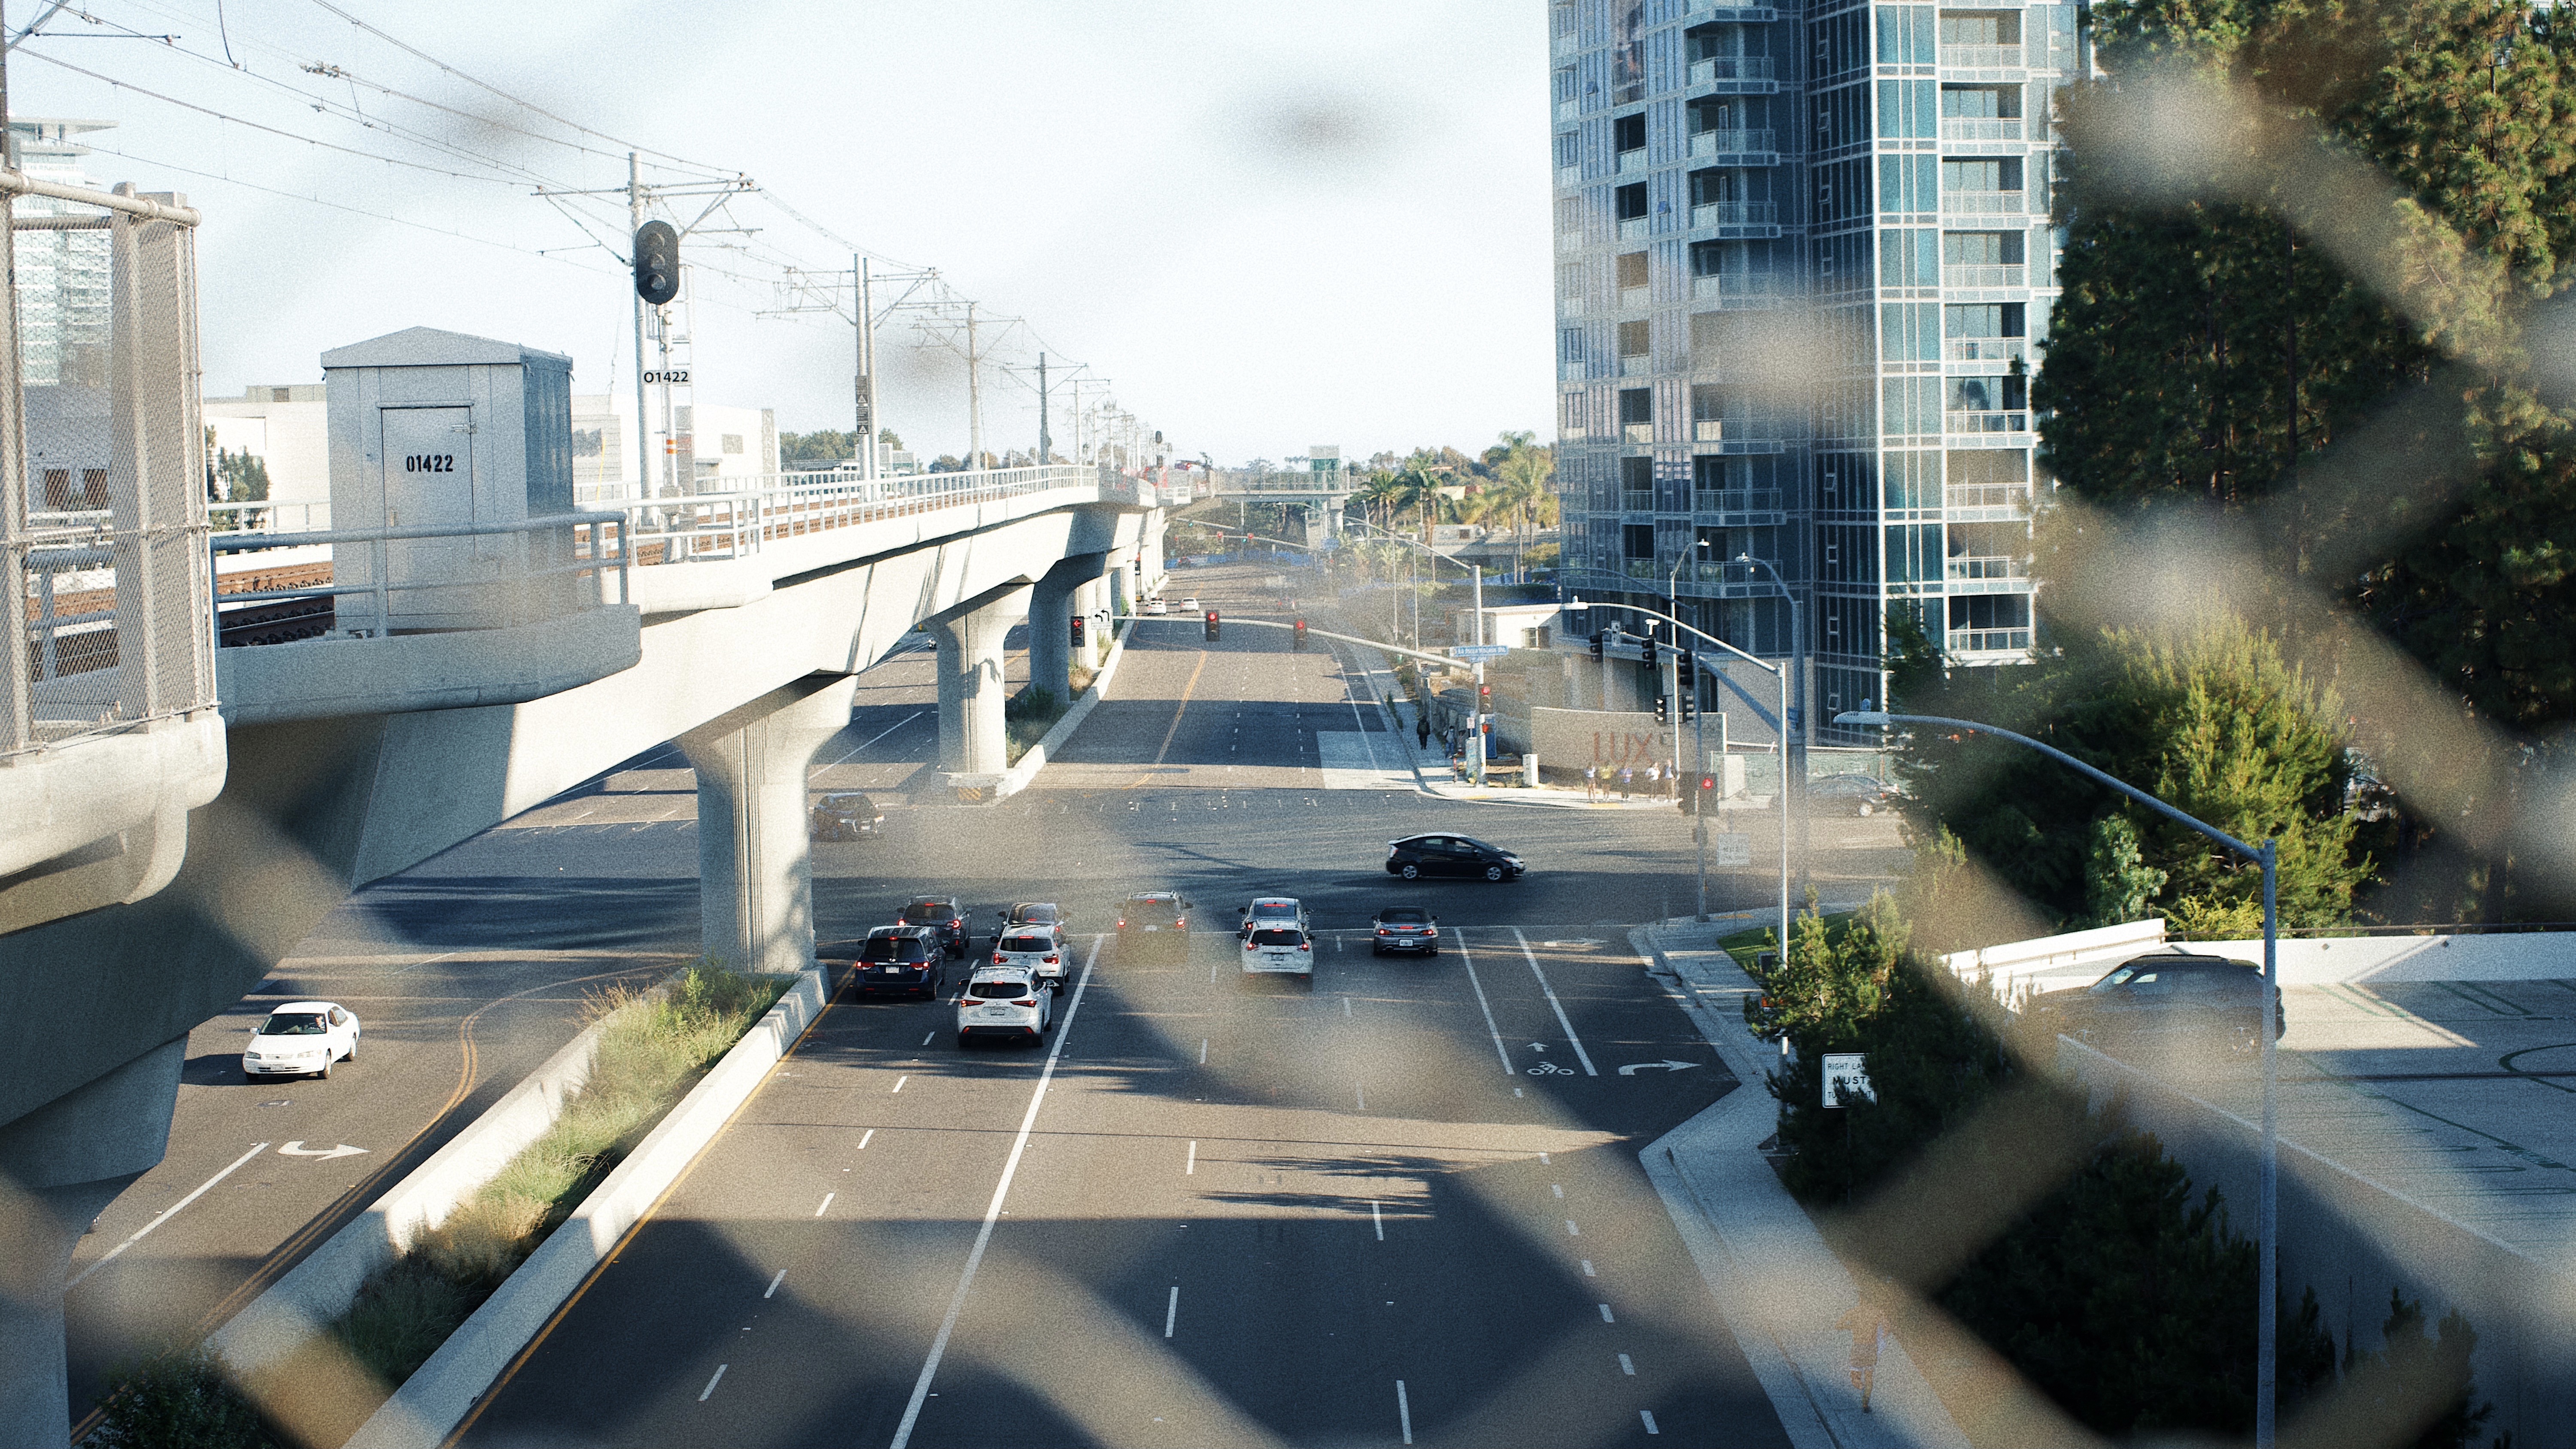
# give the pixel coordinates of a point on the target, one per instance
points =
(2166, 996)
(846, 815)
(1417, 856)
(905, 959)
(1849, 794)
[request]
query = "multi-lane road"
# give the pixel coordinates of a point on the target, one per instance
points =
(1200, 1213)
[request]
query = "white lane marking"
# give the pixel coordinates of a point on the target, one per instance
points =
(1363, 1091)
(1542, 1157)
(1203, 1045)
(1649, 1416)
(1376, 1221)
(925, 1041)
(1532, 957)
(827, 1202)
(1469, 961)
(1557, 1187)
(1626, 1367)
(163, 1216)
(1516, 1091)
(1346, 1008)
(1587, 1269)
(898, 1083)
(1211, 973)
(863, 1138)
(881, 734)
(1172, 1311)
(993, 1210)
(1605, 1314)
(1571, 1230)
(711, 1383)
(774, 1282)
(1190, 1166)
(1403, 1411)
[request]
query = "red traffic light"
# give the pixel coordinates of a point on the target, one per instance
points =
(1706, 783)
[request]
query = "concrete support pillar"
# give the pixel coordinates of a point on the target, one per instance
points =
(1091, 598)
(755, 860)
(971, 690)
(1149, 550)
(1051, 613)
(63, 1164)
(1123, 598)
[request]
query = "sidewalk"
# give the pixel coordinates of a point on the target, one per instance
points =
(1777, 1284)
(1430, 761)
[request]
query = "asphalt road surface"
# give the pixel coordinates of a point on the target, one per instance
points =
(1402, 1205)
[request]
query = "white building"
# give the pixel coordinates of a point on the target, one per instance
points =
(283, 428)
(711, 442)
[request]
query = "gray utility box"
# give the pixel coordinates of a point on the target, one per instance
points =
(438, 430)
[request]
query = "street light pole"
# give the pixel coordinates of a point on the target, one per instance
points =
(1793, 732)
(2268, 1225)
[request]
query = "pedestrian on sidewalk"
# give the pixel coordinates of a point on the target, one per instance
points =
(1868, 1324)
(1627, 777)
(1655, 781)
(1422, 731)
(1591, 783)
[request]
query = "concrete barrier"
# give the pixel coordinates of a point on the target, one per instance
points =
(1016, 778)
(2353, 1240)
(436, 1399)
(321, 1288)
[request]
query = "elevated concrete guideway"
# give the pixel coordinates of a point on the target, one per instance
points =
(730, 623)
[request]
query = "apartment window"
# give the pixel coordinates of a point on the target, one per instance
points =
(2005, 394)
(1636, 405)
(1560, 18)
(1913, 553)
(1990, 611)
(730, 443)
(1907, 258)
(1633, 339)
(1628, 133)
(1905, 34)
(1910, 332)
(1637, 476)
(1979, 467)
(1985, 319)
(1905, 109)
(1569, 216)
(281, 394)
(1637, 540)
(1909, 183)
(1564, 86)
(1569, 279)
(1982, 248)
(1569, 344)
(1913, 484)
(1980, 173)
(1632, 268)
(1981, 27)
(1981, 102)
(1569, 150)
(1630, 200)
(1912, 405)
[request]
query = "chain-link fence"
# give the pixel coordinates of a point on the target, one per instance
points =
(102, 468)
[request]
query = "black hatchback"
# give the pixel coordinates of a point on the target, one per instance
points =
(1457, 856)
(904, 959)
(2167, 997)
(941, 914)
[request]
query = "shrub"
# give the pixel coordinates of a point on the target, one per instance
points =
(178, 1399)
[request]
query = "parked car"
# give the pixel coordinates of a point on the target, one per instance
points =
(1004, 1001)
(846, 815)
(1849, 795)
(2166, 995)
(1154, 924)
(908, 959)
(1416, 856)
(1279, 949)
(941, 912)
(301, 1038)
(1037, 950)
(1404, 928)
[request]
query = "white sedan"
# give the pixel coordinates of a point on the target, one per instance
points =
(1157, 606)
(301, 1038)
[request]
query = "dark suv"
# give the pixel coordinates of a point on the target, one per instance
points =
(941, 914)
(1154, 923)
(1450, 855)
(895, 958)
(2164, 996)
(845, 815)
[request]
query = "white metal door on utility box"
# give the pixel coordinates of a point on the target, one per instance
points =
(427, 455)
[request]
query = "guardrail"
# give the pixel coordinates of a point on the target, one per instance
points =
(486, 597)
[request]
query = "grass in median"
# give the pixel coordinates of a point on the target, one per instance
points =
(653, 1047)
(1026, 718)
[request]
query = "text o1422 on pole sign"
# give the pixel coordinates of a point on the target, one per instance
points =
(1847, 1076)
(676, 377)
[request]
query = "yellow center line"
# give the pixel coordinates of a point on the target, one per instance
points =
(1139, 782)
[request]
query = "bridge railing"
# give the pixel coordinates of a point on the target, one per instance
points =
(772, 508)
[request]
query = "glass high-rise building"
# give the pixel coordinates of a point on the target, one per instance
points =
(1802, 257)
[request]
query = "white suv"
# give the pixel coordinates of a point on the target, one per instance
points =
(1036, 950)
(1278, 949)
(1004, 1001)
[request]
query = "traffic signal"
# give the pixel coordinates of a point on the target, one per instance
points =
(1685, 670)
(1077, 631)
(657, 262)
(1596, 643)
(1663, 709)
(1297, 636)
(1211, 623)
(1648, 645)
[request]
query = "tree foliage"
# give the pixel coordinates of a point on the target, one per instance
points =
(2206, 716)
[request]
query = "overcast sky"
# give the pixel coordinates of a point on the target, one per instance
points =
(1270, 225)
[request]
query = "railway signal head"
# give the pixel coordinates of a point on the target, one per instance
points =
(657, 263)
(1596, 643)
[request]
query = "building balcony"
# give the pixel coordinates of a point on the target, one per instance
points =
(1730, 68)
(1634, 299)
(1987, 422)
(1633, 229)
(1737, 500)
(1985, 349)
(1728, 430)
(1568, 177)
(1637, 365)
(1637, 500)
(1980, 128)
(1981, 57)
(1632, 162)
(1734, 143)
(1637, 432)
(2010, 274)
(1970, 569)
(1572, 372)
(1988, 641)
(1974, 497)
(1750, 288)
(1564, 44)
(1641, 568)
(1568, 110)
(1734, 213)
(2010, 203)
(1701, 11)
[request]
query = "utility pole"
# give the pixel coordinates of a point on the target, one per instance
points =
(863, 437)
(974, 396)
(643, 443)
(1045, 443)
